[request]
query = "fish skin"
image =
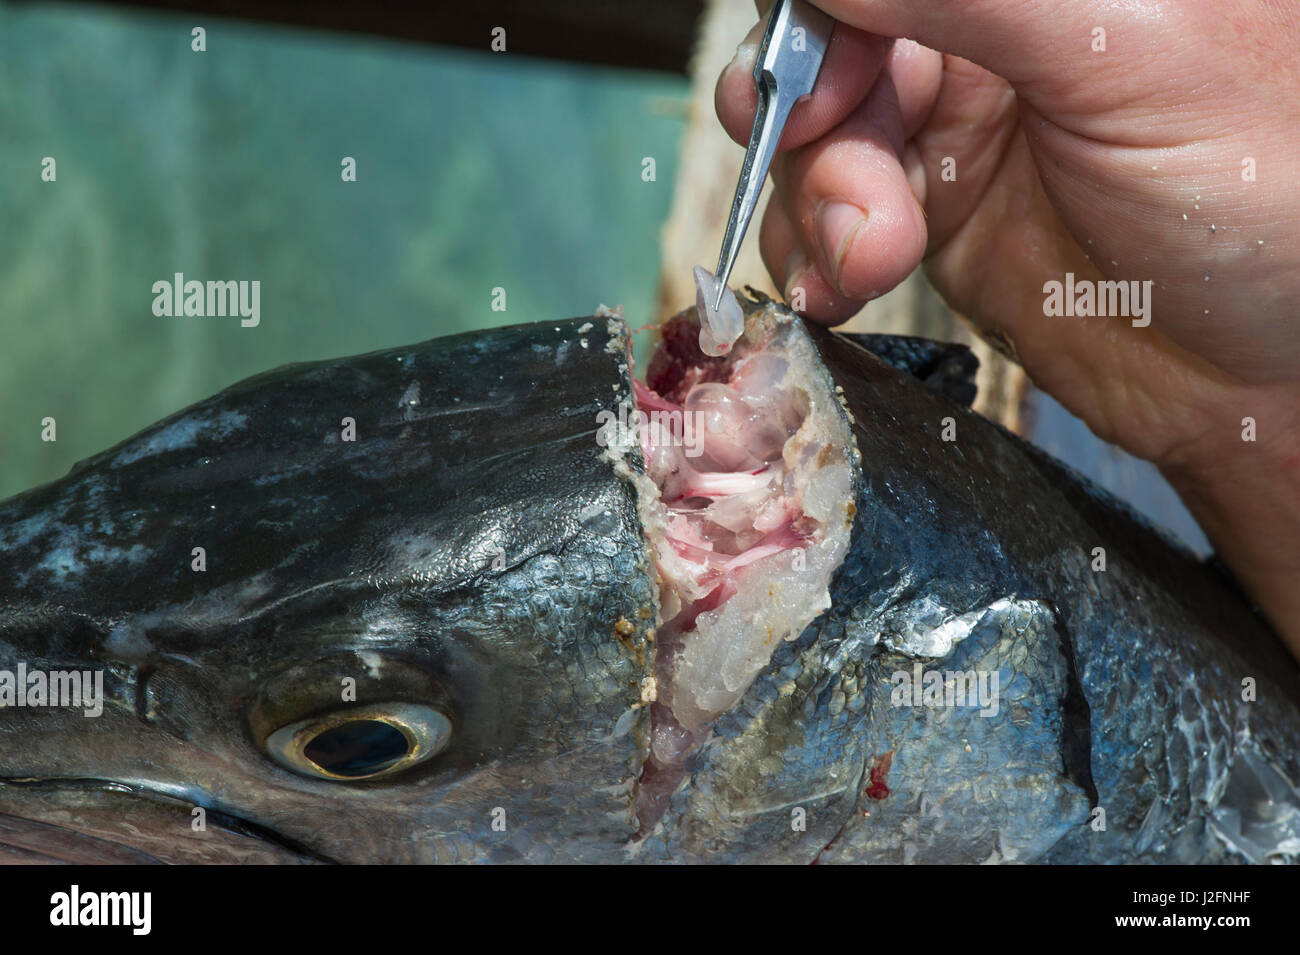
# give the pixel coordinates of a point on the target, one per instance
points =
(946, 367)
(1144, 660)
(1113, 684)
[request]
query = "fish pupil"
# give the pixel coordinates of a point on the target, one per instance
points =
(357, 748)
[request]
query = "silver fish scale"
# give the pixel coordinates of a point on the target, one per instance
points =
(1146, 658)
(997, 792)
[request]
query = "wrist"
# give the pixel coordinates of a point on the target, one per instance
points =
(1241, 480)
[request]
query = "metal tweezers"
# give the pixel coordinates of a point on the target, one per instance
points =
(785, 71)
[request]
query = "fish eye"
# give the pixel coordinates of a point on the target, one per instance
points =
(361, 742)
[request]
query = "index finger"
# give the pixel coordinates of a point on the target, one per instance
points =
(853, 61)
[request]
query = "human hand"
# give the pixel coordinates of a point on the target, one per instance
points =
(1168, 157)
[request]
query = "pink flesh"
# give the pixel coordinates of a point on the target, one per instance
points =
(738, 479)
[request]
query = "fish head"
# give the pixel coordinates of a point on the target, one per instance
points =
(380, 610)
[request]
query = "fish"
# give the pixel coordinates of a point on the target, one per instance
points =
(492, 598)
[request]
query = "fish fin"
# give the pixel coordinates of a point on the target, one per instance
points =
(946, 367)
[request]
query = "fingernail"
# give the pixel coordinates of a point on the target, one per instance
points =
(796, 267)
(746, 53)
(838, 223)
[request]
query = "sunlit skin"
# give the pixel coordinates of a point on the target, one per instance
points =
(1109, 164)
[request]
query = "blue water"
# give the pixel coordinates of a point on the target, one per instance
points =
(474, 171)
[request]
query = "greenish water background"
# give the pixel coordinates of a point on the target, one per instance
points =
(474, 171)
